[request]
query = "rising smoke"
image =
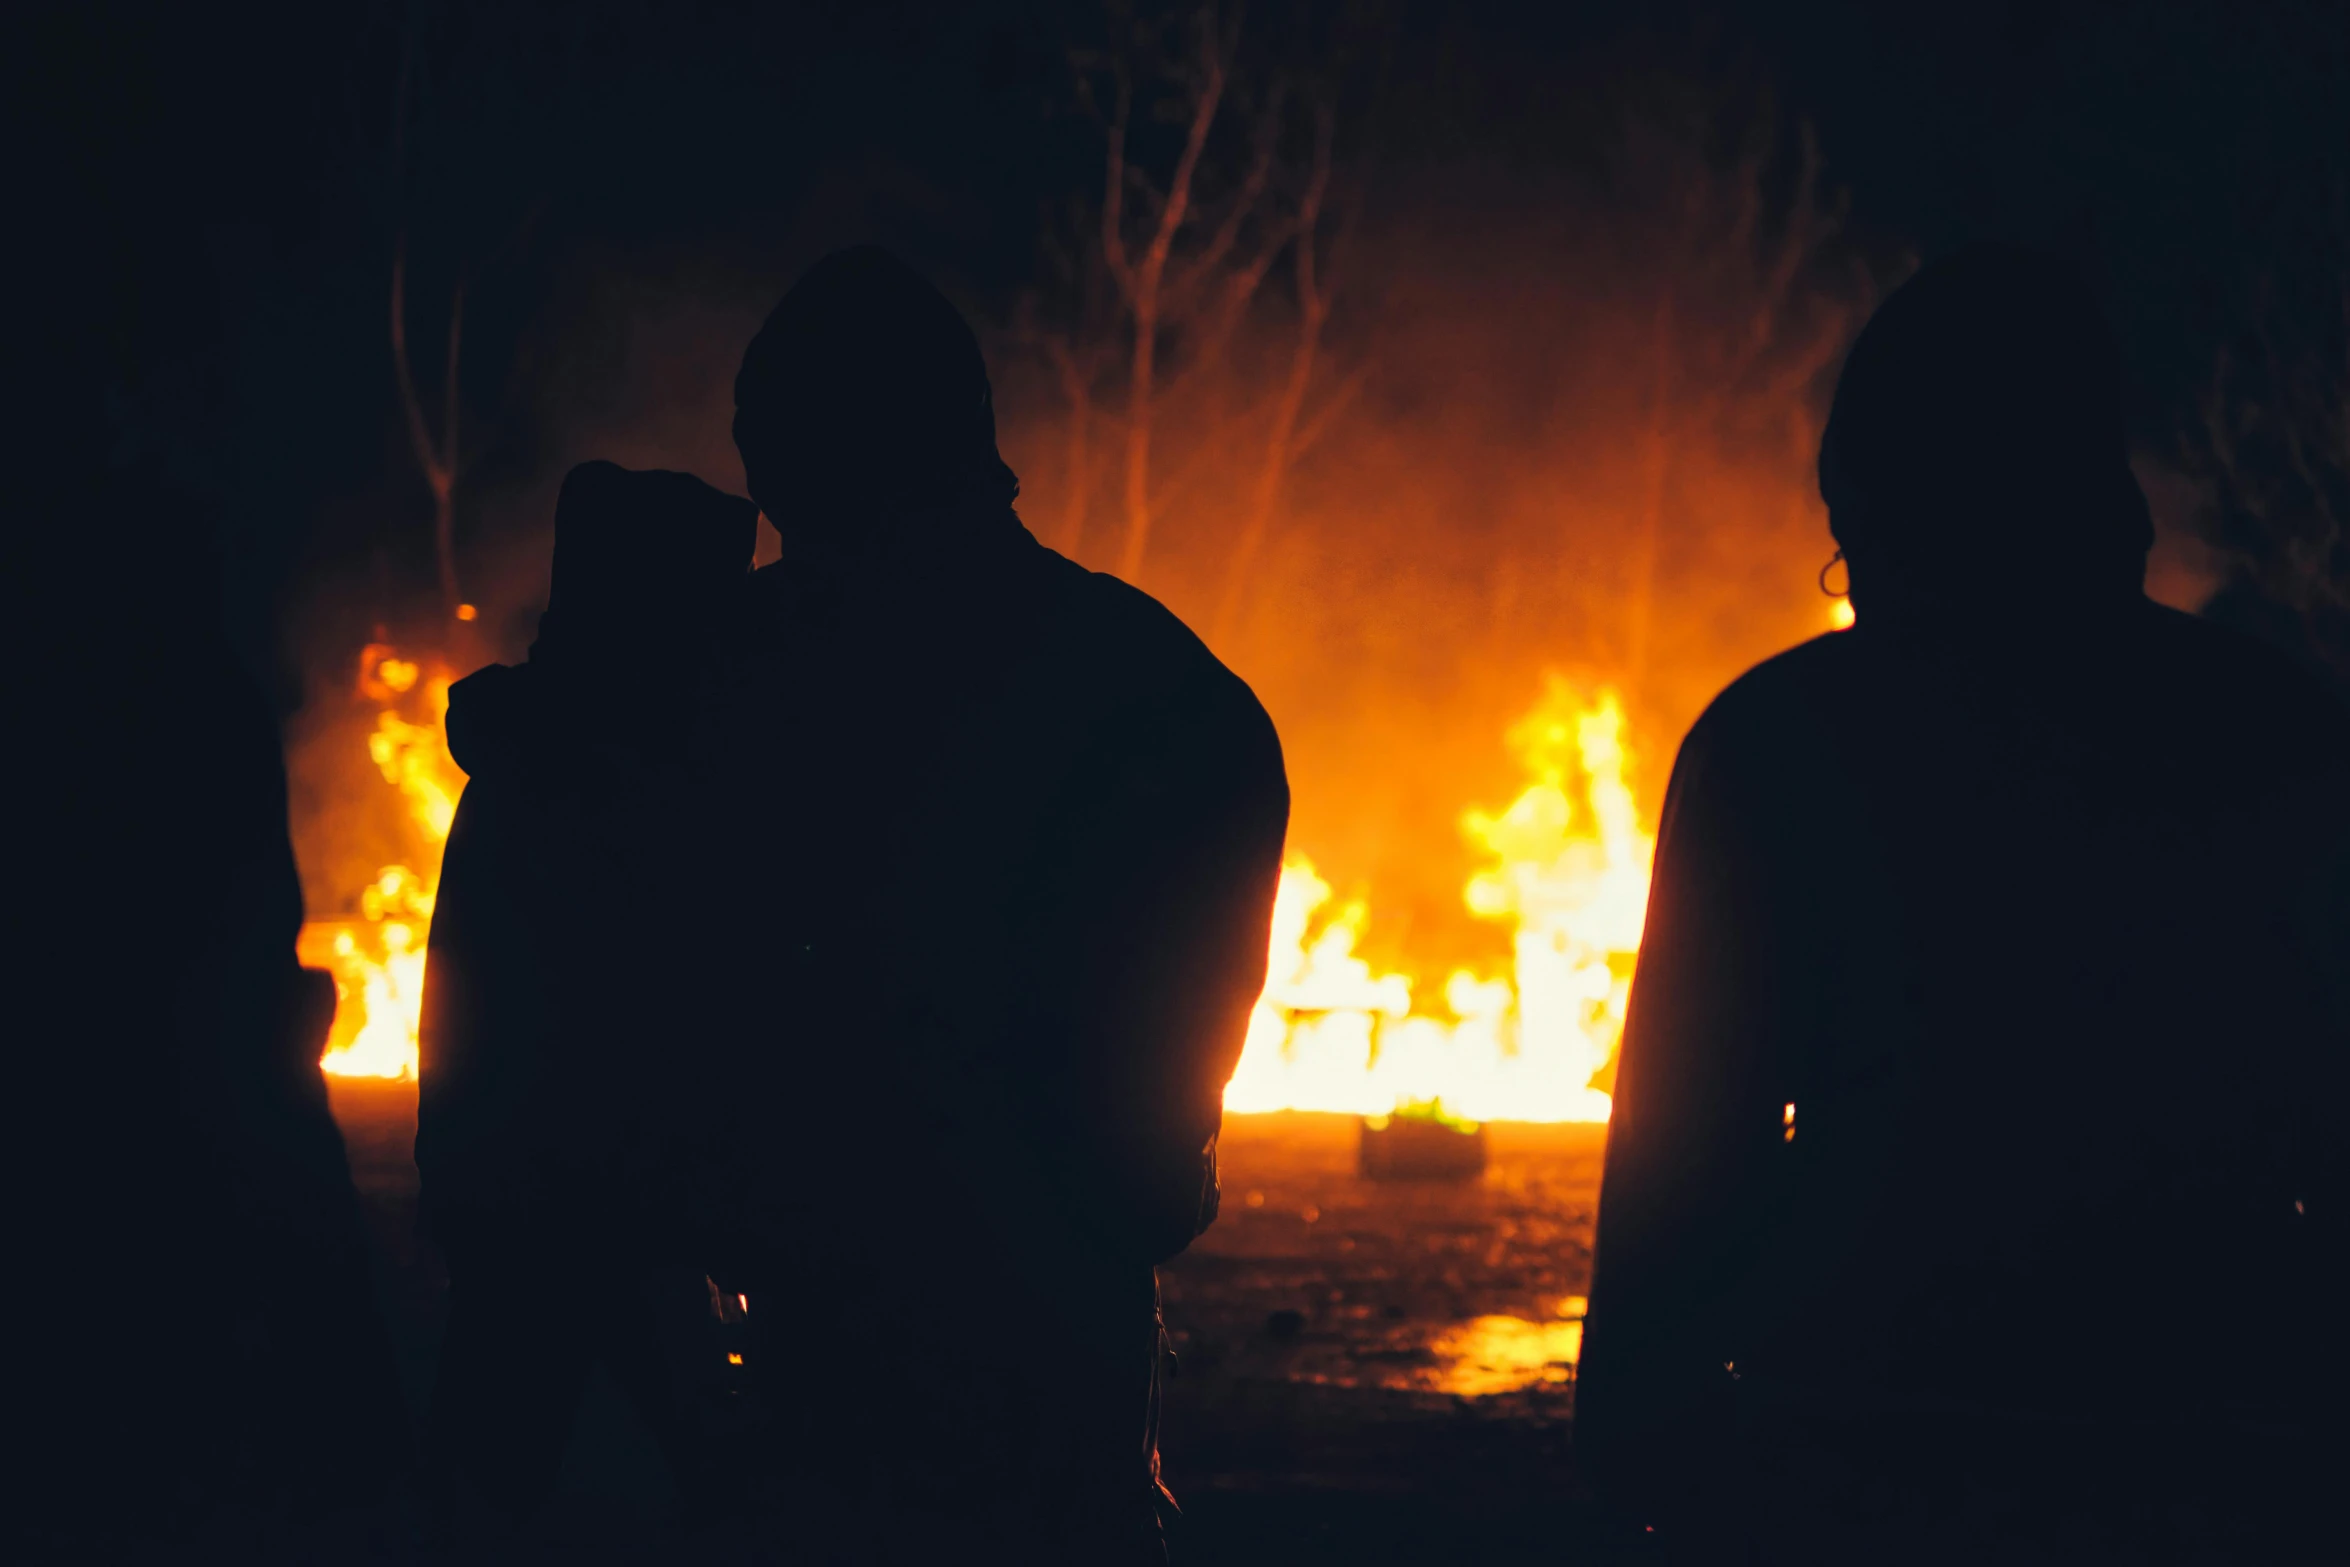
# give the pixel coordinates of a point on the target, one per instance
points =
(1578, 433)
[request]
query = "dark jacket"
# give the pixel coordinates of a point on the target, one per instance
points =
(998, 875)
(1984, 1071)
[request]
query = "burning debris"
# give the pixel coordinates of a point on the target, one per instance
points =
(1568, 863)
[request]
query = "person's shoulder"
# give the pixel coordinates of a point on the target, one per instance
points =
(1770, 733)
(1786, 685)
(1130, 635)
(2244, 684)
(1109, 606)
(2223, 652)
(1125, 652)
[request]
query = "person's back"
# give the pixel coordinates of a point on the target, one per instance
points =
(1001, 912)
(1976, 1170)
(550, 1012)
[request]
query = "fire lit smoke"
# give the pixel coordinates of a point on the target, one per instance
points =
(1574, 426)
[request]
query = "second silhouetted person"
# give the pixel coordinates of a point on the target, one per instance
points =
(989, 906)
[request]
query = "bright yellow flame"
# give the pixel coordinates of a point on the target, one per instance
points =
(1840, 615)
(378, 963)
(1567, 863)
(414, 758)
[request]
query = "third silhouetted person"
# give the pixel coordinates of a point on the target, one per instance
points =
(1975, 1187)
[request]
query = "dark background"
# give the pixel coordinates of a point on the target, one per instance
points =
(626, 187)
(560, 152)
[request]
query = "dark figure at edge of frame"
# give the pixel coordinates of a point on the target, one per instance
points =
(549, 1014)
(1976, 1186)
(198, 1366)
(990, 902)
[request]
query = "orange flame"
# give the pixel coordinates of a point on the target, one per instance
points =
(378, 960)
(1567, 863)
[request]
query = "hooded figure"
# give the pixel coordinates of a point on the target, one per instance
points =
(994, 901)
(1976, 1179)
(552, 1030)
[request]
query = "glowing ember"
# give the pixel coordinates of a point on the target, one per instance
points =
(378, 959)
(1568, 864)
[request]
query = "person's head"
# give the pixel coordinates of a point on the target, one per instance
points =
(640, 555)
(1976, 452)
(865, 397)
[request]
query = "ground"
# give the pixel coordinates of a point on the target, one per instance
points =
(1378, 1371)
(1369, 1371)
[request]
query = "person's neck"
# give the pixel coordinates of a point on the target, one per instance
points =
(2051, 602)
(843, 548)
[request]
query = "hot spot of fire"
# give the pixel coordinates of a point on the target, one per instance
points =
(377, 959)
(1566, 864)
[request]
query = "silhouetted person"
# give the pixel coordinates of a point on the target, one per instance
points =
(196, 1337)
(1976, 1184)
(195, 1358)
(999, 869)
(551, 1008)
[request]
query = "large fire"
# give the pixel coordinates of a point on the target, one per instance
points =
(378, 959)
(1565, 865)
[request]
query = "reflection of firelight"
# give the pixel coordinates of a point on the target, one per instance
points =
(1489, 1355)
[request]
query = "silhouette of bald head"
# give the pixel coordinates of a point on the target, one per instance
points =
(863, 395)
(1976, 441)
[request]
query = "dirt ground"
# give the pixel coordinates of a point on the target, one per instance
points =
(1377, 1371)
(1369, 1371)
